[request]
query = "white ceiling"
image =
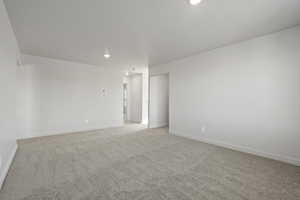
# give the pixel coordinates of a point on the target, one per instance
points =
(141, 32)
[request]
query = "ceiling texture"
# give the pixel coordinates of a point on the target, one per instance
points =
(141, 32)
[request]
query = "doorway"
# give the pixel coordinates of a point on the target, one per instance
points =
(159, 101)
(133, 98)
(125, 101)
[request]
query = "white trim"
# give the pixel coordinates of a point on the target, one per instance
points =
(286, 159)
(7, 166)
(145, 122)
(158, 124)
(89, 127)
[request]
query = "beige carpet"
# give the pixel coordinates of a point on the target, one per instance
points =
(136, 163)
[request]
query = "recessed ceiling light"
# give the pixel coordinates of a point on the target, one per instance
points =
(106, 55)
(195, 2)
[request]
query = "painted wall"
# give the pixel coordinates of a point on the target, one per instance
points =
(8, 65)
(159, 104)
(244, 96)
(25, 101)
(67, 97)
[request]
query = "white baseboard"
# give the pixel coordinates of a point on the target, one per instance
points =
(286, 159)
(157, 124)
(49, 132)
(145, 122)
(134, 121)
(7, 165)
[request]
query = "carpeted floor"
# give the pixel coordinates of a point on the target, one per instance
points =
(137, 163)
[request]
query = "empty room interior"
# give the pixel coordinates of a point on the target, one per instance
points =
(150, 100)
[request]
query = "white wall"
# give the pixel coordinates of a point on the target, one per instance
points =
(159, 101)
(67, 96)
(25, 104)
(8, 64)
(245, 96)
(135, 98)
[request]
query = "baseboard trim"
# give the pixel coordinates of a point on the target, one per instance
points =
(157, 124)
(42, 133)
(7, 166)
(244, 149)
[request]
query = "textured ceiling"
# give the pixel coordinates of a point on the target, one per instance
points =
(141, 32)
